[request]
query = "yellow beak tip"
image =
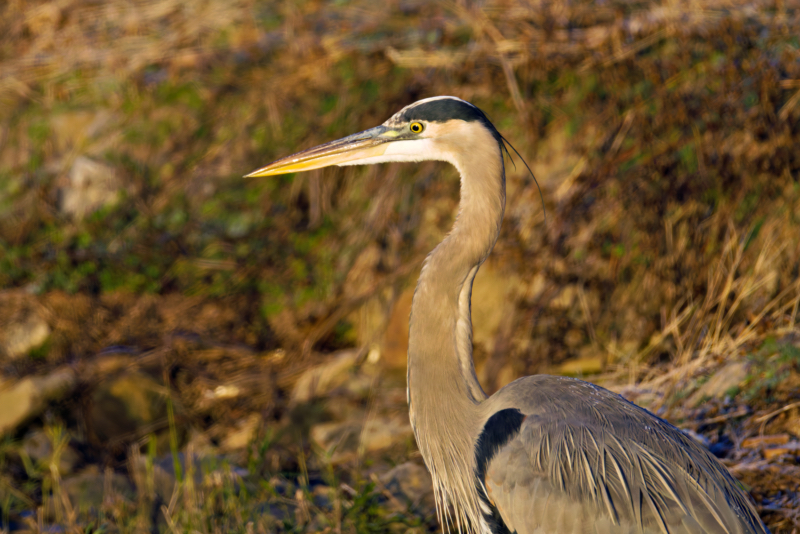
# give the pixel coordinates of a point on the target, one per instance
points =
(257, 174)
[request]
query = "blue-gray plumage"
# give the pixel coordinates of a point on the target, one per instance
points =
(584, 457)
(544, 455)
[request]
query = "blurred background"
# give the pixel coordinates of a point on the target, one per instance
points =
(185, 350)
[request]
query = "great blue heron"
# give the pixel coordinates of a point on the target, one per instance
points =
(545, 454)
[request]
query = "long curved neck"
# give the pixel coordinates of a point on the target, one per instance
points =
(443, 390)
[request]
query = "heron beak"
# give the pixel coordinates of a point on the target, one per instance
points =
(347, 150)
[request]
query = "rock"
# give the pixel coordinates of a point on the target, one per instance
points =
(727, 378)
(92, 185)
(565, 298)
(38, 446)
(322, 379)
(88, 490)
(23, 326)
(383, 432)
(410, 483)
(243, 435)
(124, 404)
(347, 440)
(24, 336)
(492, 299)
(27, 398)
(212, 397)
(533, 288)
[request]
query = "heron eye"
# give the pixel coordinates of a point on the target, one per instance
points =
(416, 127)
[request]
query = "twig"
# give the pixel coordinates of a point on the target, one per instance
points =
(764, 418)
(789, 106)
(749, 466)
(741, 412)
(621, 133)
(482, 23)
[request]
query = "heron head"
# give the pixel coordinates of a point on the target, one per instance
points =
(436, 128)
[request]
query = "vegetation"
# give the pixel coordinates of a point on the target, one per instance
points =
(663, 135)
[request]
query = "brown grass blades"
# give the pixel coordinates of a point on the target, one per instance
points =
(717, 326)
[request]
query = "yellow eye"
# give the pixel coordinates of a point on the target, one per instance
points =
(416, 127)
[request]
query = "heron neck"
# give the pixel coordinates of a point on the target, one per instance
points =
(443, 390)
(440, 333)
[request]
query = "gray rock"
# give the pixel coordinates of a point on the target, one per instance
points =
(88, 490)
(243, 434)
(565, 298)
(26, 335)
(92, 185)
(410, 483)
(347, 440)
(322, 379)
(725, 379)
(496, 291)
(26, 398)
(124, 405)
(23, 325)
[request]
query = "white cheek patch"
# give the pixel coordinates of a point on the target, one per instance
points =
(408, 147)
(408, 150)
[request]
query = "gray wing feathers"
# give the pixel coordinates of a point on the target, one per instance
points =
(590, 462)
